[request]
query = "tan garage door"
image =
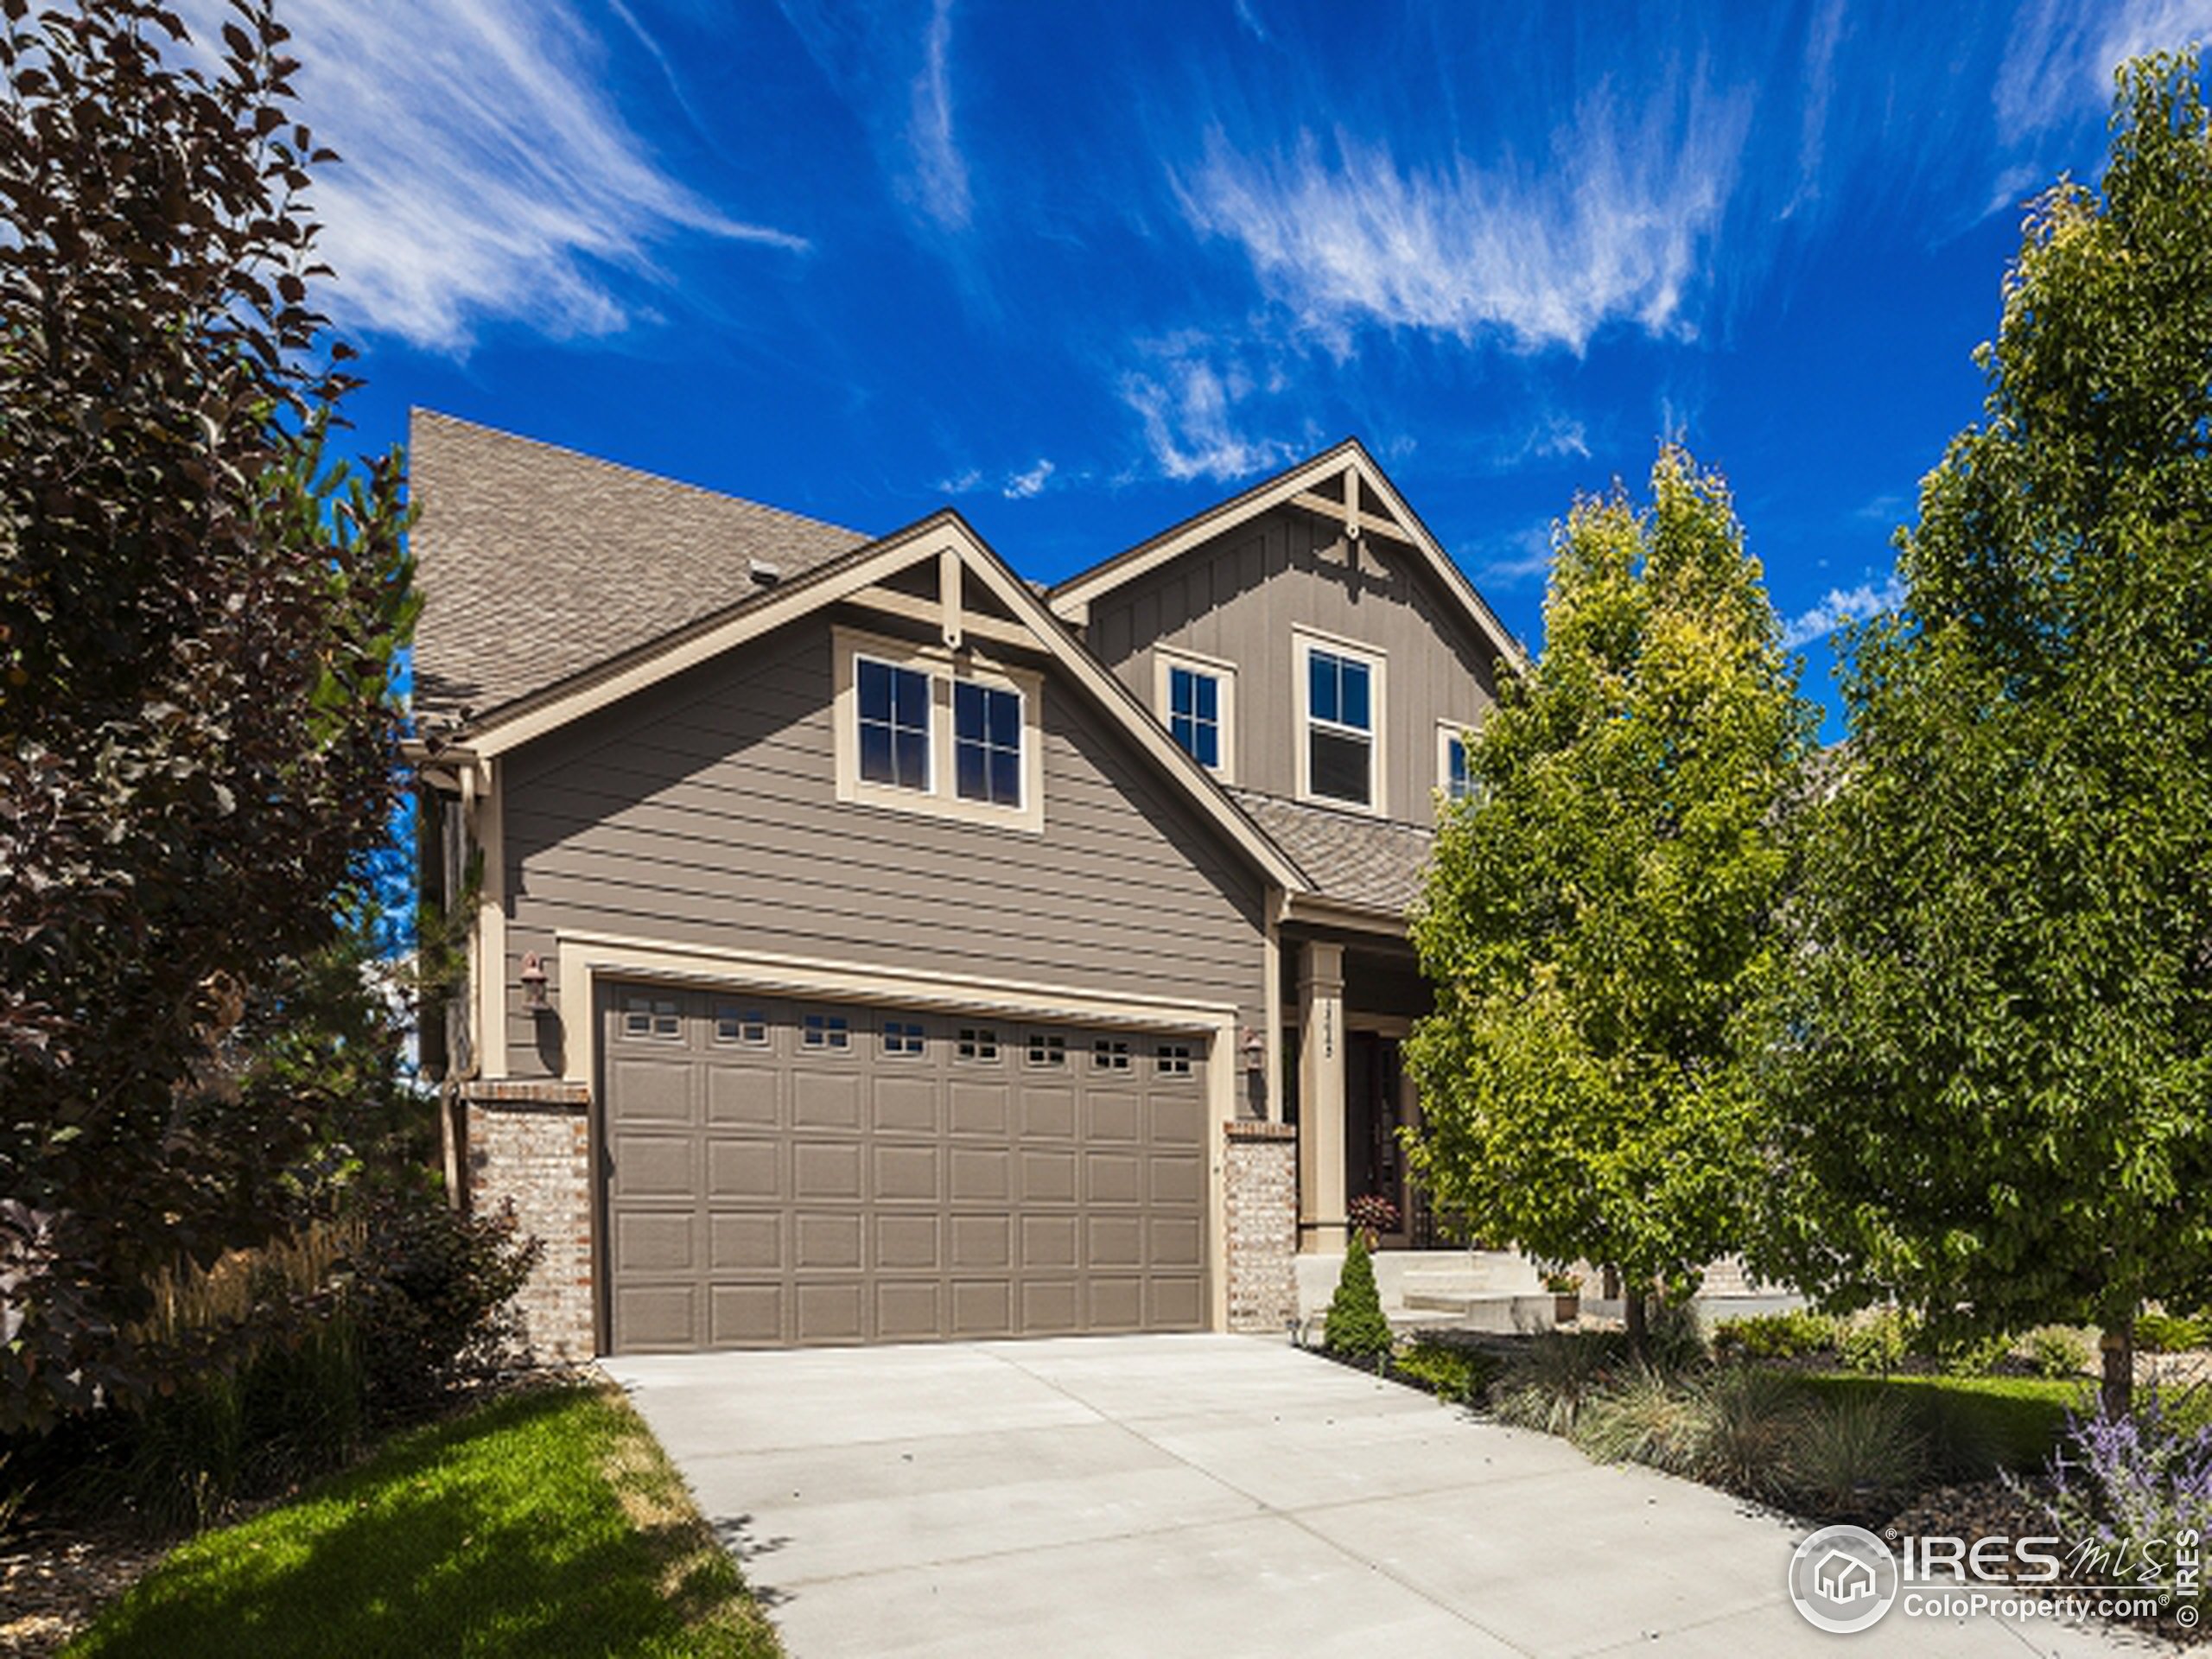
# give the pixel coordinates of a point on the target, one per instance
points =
(787, 1173)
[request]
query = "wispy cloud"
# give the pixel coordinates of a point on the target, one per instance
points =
(940, 172)
(1023, 484)
(1839, 606)
(1557, 436)
(1611, 229)
(1519, 559)
(1187, 402)
(891, 64)
(2060, 56)
(487, 177)
(1822, 38)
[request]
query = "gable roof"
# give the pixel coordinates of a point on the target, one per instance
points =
(549, 698)
(538, 563)
(1304, 485)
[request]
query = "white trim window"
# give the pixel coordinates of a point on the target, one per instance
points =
(1455, 777)
(1196, 699)
(894, 722)
(986, 744)
(921, 730)
(1340, 723)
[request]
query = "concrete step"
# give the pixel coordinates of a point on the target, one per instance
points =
(1503, 1313)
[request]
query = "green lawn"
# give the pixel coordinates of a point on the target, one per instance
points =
(546, 1524)
(1976, 1424)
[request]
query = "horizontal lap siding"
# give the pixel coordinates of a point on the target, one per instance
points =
(704, 812)
(1238, 598)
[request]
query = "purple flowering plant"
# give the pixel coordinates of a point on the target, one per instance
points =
(2129, 1494)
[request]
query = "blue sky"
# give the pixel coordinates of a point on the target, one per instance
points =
(1082, 269)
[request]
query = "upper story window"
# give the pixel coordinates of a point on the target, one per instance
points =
(1454, 781)
(894, 723)
(1196, 697)
(1194, 714)
(1341, 690)
(987, 743)
(918, 728)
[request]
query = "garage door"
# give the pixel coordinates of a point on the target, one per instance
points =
(787, 1173)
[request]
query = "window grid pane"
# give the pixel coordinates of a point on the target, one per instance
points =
(894, 724)
(1194, 714)
(986, 744)
(826, 1031)
(748, 1027)
(1339, 715)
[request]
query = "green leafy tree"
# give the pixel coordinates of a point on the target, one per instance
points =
(1599, 908)
(198, 613)
(1992, 1066)
(1354, 1322)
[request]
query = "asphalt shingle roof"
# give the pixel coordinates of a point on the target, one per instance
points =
(537, 564)
(1349, 856)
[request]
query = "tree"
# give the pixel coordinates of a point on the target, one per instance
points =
(1598, 908)
(1992, 1066)
(1354, 1323)
(197, 617)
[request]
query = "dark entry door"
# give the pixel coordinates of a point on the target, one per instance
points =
(1374, 1160)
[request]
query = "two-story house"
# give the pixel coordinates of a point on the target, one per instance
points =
(867, 946)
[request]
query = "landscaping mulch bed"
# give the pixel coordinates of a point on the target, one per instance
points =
(54, 1580)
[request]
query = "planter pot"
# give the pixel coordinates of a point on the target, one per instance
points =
(1566, 1306)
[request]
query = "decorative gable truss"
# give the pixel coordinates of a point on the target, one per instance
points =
(1344, 486)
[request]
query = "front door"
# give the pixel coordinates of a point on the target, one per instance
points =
(1375, 1162)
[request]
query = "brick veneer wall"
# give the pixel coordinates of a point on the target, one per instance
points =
(529, 1148)
(1261, 1183)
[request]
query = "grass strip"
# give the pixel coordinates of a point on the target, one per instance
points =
(545, 1524)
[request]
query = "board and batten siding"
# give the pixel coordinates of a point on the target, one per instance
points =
(704, 812)
(1240, 596)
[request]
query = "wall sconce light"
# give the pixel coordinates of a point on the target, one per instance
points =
(534, 999)
(1253, 1048)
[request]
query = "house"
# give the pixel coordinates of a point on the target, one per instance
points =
(867, 945)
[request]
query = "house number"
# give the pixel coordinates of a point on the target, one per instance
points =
(1328, 1031)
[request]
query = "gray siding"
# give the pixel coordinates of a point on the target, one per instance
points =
(704, 812)
(1238, 596)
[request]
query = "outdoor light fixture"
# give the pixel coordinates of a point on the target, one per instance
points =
(533, 984)
(1255, 1050)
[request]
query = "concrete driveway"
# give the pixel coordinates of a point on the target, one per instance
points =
(1208, 1494)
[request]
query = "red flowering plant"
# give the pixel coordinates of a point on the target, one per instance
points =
(1374, 1215)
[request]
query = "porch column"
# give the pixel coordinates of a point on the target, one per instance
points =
(1321, 1097)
